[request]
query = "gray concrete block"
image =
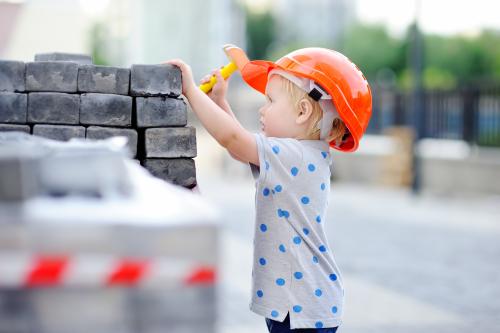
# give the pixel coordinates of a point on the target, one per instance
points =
(106, 109)
(160, 111)
(82, 59)
(155, 80)
(170, 142)
(13, 107)
(51, 76)
(59, 132)
(178, 171)
(53, 108)
(98, 133)
(12, 128)
(12, 75)
(103, 79)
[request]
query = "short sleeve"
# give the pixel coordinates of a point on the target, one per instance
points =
(275, 156)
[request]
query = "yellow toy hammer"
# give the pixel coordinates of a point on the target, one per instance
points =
(238, 59)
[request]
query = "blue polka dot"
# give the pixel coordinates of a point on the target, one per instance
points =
(323, 186)
(267, 165)
(274, 313)
(263, 227)
(297, 240)
(315, 259)
(283, 213)
(260, 293)
(298, 275)
(318, 324)
(305, 200)
(262, 261)
(322, 248)
(311, 167)
(265, 192)
(297, 308)
(324, 153)
(276, 149)
(333, 277)
(278, 188)
(318, 219)
(280, 282)
(282, 248)
(306, 231)
(294, 171)
(318, 292)
(334, 309)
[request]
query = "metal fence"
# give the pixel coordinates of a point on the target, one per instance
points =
(469, 114)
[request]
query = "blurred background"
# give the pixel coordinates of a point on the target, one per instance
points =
(414, 216)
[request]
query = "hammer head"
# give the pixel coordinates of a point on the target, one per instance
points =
(236, 55)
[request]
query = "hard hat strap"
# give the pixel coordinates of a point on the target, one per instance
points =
(315, 94)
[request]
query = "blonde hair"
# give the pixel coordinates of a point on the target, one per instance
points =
(296, 94)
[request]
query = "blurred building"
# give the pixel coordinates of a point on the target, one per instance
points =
(35, 26)
(312, 22)
(123, 32)
(151, 31)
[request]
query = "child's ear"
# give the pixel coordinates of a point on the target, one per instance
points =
(305, 111)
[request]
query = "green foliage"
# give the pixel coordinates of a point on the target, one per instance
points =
(260, 32)
(97, 42)
(371, 48)
(449, 62)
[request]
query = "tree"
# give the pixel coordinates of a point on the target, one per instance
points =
(260, 29)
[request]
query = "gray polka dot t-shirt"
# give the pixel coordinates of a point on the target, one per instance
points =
(293, 266)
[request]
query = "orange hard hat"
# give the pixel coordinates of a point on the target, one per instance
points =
(332, 71)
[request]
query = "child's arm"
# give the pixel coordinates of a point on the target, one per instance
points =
(218, 95)
(225, 129)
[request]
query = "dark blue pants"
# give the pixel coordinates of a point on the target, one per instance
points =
(284, 327)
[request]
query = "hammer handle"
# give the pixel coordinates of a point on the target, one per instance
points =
(226, 72)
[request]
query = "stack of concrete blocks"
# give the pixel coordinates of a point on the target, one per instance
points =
(62, 96)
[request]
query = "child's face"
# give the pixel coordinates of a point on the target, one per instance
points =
(277, 116)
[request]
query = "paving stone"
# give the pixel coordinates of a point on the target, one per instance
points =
(12, 75)
(160, 111)
(13, 107)
(53, 108)
(170, 142)
(106, 109)
(155, 80)
(60, 56)
(59, 132)
(178, 171)
(103, 79)
(51, 76)
(98, 133)
(13, 127)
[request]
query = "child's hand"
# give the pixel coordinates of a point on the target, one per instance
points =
(188, 84)
(219, 90)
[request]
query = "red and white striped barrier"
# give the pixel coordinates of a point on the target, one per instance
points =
(27, 270)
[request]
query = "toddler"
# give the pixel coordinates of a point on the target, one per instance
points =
(316, 98)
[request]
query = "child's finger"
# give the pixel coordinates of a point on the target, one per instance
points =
(205, 79)
(218, 75)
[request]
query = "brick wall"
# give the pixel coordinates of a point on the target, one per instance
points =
(62, 96)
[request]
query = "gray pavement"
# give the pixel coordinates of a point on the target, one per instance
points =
(410, 264)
